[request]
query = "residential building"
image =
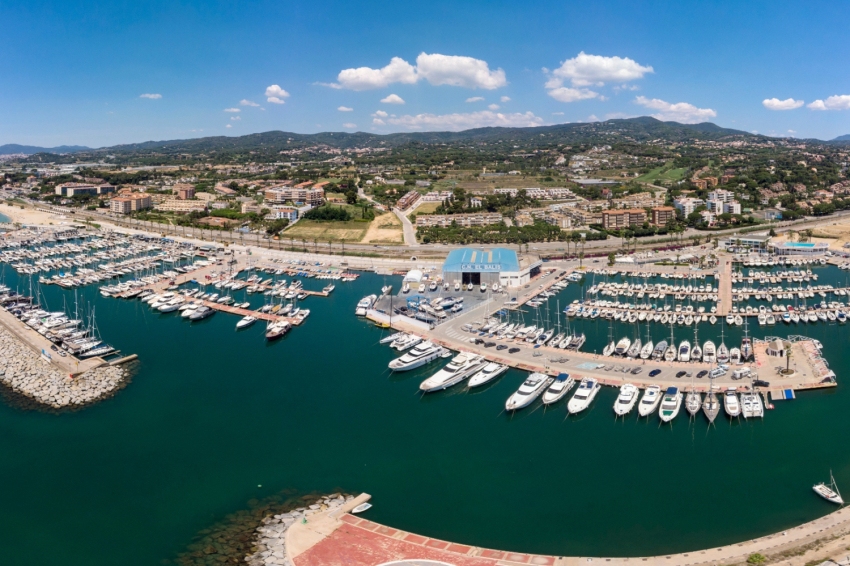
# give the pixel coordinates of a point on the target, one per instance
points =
(638, 200)
(661, 215)
(615, 219)
(721, 195)
(184, 192)
(182, 206)
(475, 202)
(75, 189)
(474, 219)
(687, 204)
(423, 184)
(251, 207)
(436, 196)
(128, 204)
(408, 200)
(281, 212)
(297, 194)
(707, 217)
(733, 207)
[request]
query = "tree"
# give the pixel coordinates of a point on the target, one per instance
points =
(611, 258)
(772, 233)
(351, 197)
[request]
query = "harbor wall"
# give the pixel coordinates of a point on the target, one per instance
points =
(26, 373)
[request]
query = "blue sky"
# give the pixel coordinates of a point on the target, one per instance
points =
(74, 72)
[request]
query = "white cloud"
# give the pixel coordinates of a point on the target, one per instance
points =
(455, 70)
(836, 102)
(151, 96)
(557, 113)
(345, 109)
(229, 126)
(475, 99)
(246, 102)
(275, 94)
(232, 110)
(493, 107)
(592, 118)
(776, 104)
(380, 114)
(465, 121)
(234, 118)
(349, 126)
(365, 78)
(683, 112)
(393, 99)
(587, 70)
(505, 99)
(626, 87)
(378, 122)
(437, 69)
(567, 94)
(792, 131)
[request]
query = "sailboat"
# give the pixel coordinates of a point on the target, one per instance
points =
(693, 402)
(696, 351)
(646, 351)
(609, 349)
(746, 346)
(711, 406)
(722, 351)
(670, 353)
(829, 492)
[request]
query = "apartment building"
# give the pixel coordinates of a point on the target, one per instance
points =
(183, 191)
(721, 195)
(661, 215)
(281, 212)
(181, 206)
(298, 194)
(687, 204)
(128, 204)
(75, 189)
(465, 220)
(408, 200)
(615, 219)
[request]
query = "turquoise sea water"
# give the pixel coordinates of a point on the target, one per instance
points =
(213, 413)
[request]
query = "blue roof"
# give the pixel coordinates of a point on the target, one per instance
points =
(493, 259)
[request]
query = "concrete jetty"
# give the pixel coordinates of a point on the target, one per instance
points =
(335, 537)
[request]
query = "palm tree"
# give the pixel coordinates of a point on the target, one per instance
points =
(315, 245)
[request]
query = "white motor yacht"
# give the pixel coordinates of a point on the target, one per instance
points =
(587, 390)
(490, 372)
(731, 402)
(423, 353)
(462, 366)
(649, 401)
(684, 351)
(555, 392)
(530, 390)
(622, 347)
(245, 322)
(735, 356)
(626, 400)
(709, 352)
(670, 404)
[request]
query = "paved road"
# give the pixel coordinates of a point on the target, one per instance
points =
(409, 230)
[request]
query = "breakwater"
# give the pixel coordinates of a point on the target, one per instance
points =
(271, 543)
(29, 374)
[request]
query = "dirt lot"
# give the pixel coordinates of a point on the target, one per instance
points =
(385, 229)
(326, 231)
(837, 234)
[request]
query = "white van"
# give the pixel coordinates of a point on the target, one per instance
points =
(741, 373)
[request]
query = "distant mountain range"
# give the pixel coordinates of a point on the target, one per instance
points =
(638, 129)
(11, 148)
(267, 144)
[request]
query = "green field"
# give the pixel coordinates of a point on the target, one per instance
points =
(663, 173)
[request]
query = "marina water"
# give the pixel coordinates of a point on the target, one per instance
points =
(213, 414)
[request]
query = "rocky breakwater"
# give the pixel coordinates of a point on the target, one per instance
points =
(271, 550)
(28, 374)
